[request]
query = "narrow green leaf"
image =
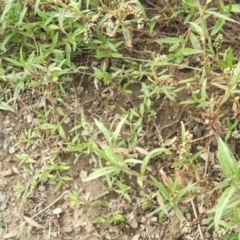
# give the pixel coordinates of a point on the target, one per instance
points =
(224, 87)
(47, 126)
(195, 42)
(132, 160)
(140, 181)
(61, 132)
(106, 155)
(127, 36)
(102, 172)
(79, 148)
(61, 18)
(203, 89)
(182, 192)
(22, 15)
(230, 57)
(170, 40)
(191, 51)
(162, 204)
(218, 26)
(109, 54)
(153, 153)
(103, 129)
(66, 178)
(223, 202)
(4, 106)
(15, 62)
(219, 15)
(58, 186)
(36, 6)
(197, 28)
(226, 159)
(163, 190)
(6, 9)
(235, 8)
(118, 129)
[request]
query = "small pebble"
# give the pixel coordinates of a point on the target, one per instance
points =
(67, 120)
(197, 132)
(7, 173)
(154, 219)
(136, 237)
(11, 150)
(66, 229)
(57, 211)
(54, 234)
(42, 188)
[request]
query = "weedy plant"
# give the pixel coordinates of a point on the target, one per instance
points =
(46, 45)
(225, 214)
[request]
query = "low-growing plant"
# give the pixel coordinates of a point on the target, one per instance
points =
(224, 213)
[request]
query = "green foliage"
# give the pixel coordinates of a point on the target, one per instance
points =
(45, 46)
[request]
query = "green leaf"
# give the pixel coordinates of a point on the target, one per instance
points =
(66, 178)
(170, 40)
(106, 155)
(219, 15)
(182, 192)
(153, 153)
(230, 57)
(191, 51)
(15, 62)
(203, 89)
(6, 9)
(103, 129)
(153, 23)
(218, 26)
(118, 129)
(132, 160)
(79, 148)
(163, 190)
(160, 200)
(36, 6)
(222, 204)
(58, 186)
(5, 41)
(102, 172)
(235, 8)
(127, 36)
(197, 28)
(195, 42)
(226, 159)
(4, 106)
(47, 126)
(22, 15)
(108, 54)
(224, 87)
(61, 17)
(61, 132)
(32, 222)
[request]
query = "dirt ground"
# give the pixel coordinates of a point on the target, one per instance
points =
(43, 214)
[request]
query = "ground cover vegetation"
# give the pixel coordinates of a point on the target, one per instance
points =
(119, 119)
